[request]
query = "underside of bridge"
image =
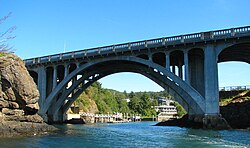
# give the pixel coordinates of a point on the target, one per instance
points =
(238, 52)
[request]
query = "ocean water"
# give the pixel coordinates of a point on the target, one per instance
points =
(134, 134)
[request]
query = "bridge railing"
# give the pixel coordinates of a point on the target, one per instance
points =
(233, 88)
(217, 34)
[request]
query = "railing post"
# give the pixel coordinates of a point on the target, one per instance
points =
(129, 46)
(163, 41)
(202, 36)
(211, 34)
(145, 44)
(182, 39)
(85, 53)
(232, 32)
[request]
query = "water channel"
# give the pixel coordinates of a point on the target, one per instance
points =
(133, 134)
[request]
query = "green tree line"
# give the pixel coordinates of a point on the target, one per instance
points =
(96, 99)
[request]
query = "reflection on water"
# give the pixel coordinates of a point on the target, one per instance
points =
(139, 134)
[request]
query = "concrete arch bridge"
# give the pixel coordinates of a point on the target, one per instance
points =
(185, 66)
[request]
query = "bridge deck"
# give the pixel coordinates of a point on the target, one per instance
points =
(165, 41)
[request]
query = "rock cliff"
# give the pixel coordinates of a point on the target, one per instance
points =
(236, 110)
(18, 94)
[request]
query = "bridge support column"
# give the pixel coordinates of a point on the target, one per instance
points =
(180, 71)
(42, 79)
(211, 81)
(54, 77)
(173, 69)
(58, 117)
(186, 67)
(196, 70)
(51, 109)
(212, 118)
(49, 83)
(66, 70)
(167, 61)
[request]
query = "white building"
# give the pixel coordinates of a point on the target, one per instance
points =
(165, 110)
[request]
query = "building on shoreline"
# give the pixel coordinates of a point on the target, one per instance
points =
(165, 110)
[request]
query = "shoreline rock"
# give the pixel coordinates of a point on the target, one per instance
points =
(181, 122)
(237, 114)
(209, 122)
(13, 128)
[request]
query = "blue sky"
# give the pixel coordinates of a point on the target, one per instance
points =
(46, 27)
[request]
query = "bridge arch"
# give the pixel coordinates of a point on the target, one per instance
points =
(237, 52)
(192, 101)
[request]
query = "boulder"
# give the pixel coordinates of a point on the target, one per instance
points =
(16, 83)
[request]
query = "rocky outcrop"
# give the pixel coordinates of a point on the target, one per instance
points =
(237, 114)
(17, 89)
(182, 122)
(13, 128)
(18, 95)
(236, 110)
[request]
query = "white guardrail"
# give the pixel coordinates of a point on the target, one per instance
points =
(217, 34)
(234, 88)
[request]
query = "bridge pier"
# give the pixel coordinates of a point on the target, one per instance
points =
(42, 86)
(211, 81)
(196, 70)
(186, 67)
(57, 117)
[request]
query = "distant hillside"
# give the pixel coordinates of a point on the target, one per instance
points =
(99, 100)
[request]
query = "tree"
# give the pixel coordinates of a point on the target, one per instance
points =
(135, 105)
(145, 101)
(180, 110)
(131, 94)
(6, 36)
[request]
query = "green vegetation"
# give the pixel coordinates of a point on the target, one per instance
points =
(180, 110)
(241, 97)
(2, 54)
(99, 100)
